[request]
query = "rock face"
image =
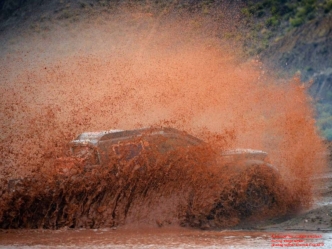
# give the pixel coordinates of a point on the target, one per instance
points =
(307, 49)
(322, 87)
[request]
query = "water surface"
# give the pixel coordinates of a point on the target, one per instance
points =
(162, 238)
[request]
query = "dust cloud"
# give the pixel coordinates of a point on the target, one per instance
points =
(134, 70)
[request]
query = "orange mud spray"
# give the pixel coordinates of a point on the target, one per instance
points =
(133, 70)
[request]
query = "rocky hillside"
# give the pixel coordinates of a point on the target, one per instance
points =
(295, 36)
(307, 49)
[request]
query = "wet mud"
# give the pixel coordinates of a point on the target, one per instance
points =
(161, 238)
(140, 70)
(183, 187)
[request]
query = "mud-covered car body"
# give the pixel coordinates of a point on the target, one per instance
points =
(154, 175)
(97, 148)
(248, 179)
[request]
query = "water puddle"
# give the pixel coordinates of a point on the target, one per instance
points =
(161, 238)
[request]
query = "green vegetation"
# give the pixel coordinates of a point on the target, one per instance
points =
(279, 17)
(270, 21)
(297, 21)
(328, 6)
(295, 12)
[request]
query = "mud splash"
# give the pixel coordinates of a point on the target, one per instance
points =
(183, 187)
(146, 71)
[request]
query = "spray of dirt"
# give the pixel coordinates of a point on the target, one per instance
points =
(138, 70)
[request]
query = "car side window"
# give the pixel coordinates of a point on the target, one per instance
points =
(127, 150)
(166, 144)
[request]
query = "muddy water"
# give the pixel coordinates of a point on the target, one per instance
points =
(137, 70)
(160, 238)
(183, 188)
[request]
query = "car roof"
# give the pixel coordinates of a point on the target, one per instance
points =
(243, 151)
(92, 138)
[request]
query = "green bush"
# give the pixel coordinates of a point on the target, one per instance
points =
(274, 9)
(328, 6)
(272, 21)
(297, 21)
(301, 12)
(297, 12)
(246, 12)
